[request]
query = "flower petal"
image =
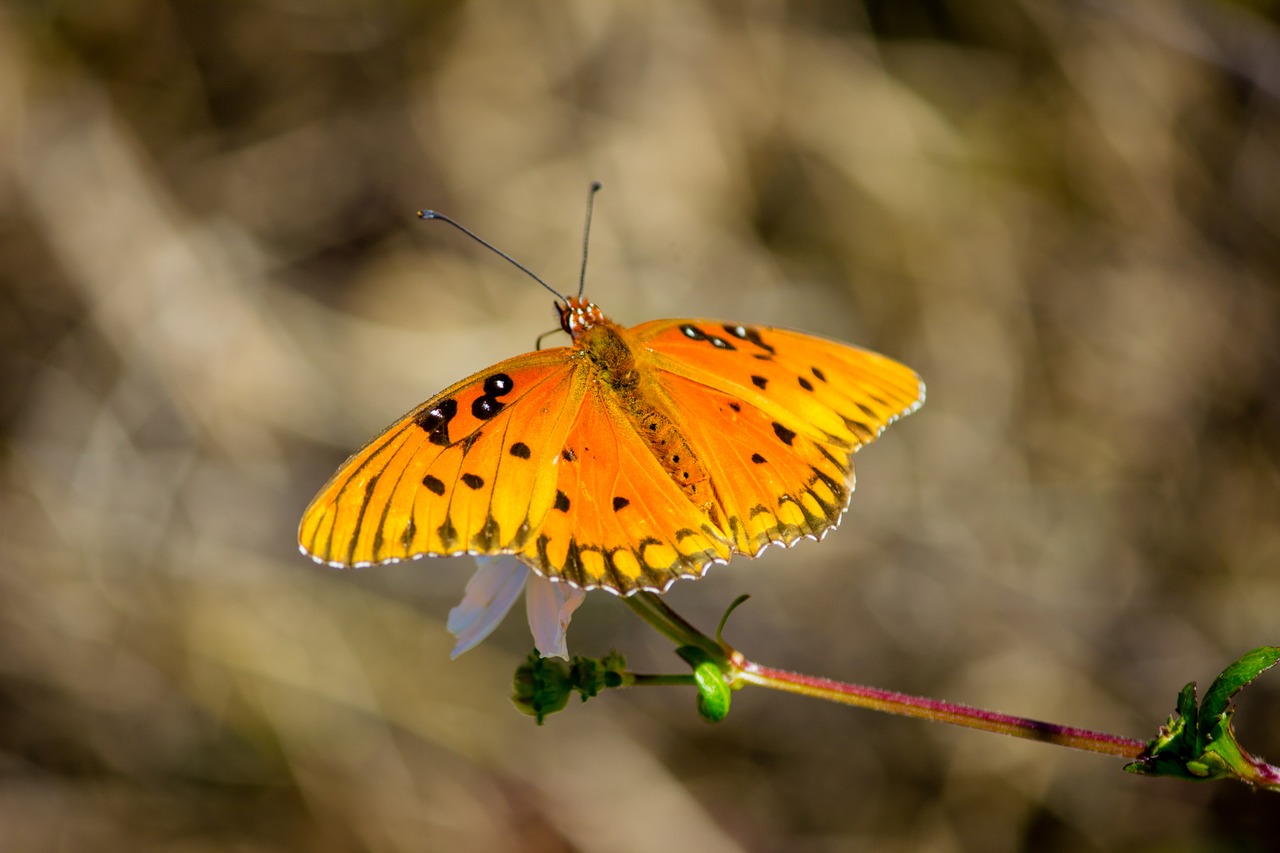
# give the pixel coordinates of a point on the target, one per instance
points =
(550, 606)
(489, 596)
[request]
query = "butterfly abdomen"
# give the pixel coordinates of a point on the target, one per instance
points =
(672, 450)
(645, 408)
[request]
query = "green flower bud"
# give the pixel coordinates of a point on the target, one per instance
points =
(542, 687)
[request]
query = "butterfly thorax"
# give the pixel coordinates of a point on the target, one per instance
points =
(603, 344)
(650, 410)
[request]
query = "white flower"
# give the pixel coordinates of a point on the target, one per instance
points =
(495, 587)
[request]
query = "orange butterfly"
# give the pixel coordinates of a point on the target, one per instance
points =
(625, 461)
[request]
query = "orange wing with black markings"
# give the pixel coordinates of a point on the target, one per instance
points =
(470, 471)
(633, 458)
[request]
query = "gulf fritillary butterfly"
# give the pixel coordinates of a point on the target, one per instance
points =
(625, 461)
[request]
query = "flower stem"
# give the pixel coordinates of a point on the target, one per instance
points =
(652, 609)
(657, 613)
(640, 679)
(907, 705)
(738, 669)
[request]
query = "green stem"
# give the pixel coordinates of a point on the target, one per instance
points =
(652, 609)
(640, 679)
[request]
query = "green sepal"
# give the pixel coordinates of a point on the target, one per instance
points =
(542, 686)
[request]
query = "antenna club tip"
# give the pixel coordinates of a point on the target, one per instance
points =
(428, 214)
(596, 186)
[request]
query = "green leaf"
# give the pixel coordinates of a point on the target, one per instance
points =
(1217, 700)
(1200, 743)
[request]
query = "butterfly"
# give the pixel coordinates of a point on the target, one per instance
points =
(627, 460)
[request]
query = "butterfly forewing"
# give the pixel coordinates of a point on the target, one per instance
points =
(469, 471)
(775, 417)
(833, 392)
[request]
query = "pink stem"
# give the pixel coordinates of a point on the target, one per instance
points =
(907, 705)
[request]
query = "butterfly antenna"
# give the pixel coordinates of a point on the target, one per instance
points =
(586, 234)
(431, 214)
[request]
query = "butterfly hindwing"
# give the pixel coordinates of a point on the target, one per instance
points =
(772, 485)
(619, 521)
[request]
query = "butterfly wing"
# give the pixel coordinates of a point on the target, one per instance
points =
(469, 471)
(774, 417)
(619, 520)
(540, 457)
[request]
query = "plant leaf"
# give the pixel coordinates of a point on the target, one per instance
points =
(1200, 743)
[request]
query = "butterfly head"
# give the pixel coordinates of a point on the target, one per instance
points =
(579, 314)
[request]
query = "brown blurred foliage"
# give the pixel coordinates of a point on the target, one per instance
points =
(1065, 215)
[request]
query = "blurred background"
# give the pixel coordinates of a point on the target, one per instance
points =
(1065, 215)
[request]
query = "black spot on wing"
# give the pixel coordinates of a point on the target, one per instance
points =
(498, 385)
(693, 333)
(520, 450)
(488, 404)
(562, 501)
(749, 334)
(435, 421)
(784, 434)
(818, 374)
(433, 484)
(760, 382)
(620, 503)
(472, 481)
(757, 458)
(486, 407)
(805, 383)
(569, 455)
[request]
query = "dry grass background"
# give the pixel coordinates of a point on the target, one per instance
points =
(1065, 215)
